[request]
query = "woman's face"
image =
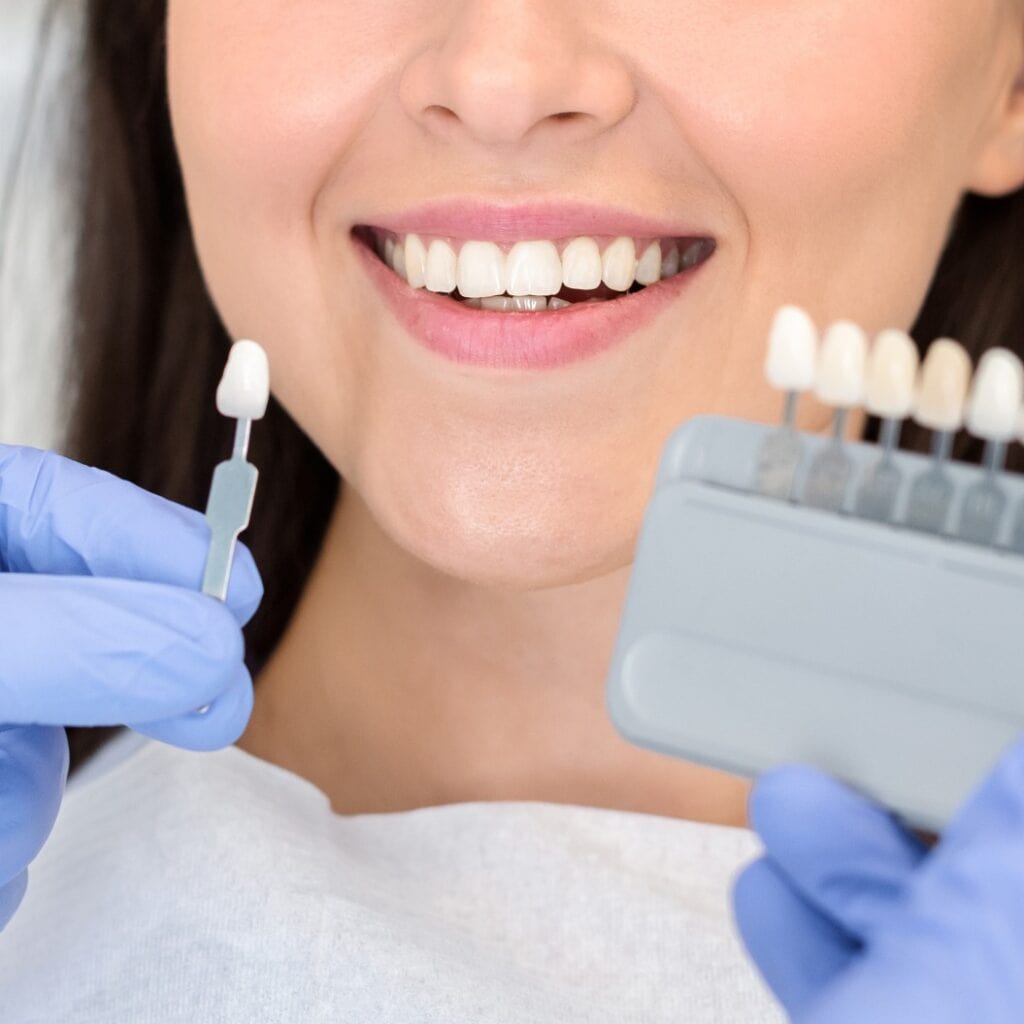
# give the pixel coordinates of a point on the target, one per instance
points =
(823, 144)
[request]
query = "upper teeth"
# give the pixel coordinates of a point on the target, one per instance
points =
(482, 269)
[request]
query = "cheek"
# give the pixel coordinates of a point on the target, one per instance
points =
(838, 132)
(266, 97)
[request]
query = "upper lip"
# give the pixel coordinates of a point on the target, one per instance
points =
(547, 219)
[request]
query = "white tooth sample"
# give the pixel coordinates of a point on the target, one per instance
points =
(389, 252)
(945, 376)
(533, 268)
(670, 262)
(499, 302)
(415, 261)
(556, 303)
(648, 267)
(618, 267)
(839, 377)
(581, 264)
(530, 303)
(792, 347)
(399, 259)
(481, 270)
(891, 375)
(441, 267)
(244, 388)
(996, 394)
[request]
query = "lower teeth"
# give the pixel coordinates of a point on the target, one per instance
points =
(524, 303)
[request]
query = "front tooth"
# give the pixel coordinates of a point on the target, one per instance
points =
(399, 267)
(533, 268)
(648, 268)
(481, 270)
(389, 252)
(618, 269)
(670, 263)
(581, 264)
(415, 261)
(441, 267)
(556, 303)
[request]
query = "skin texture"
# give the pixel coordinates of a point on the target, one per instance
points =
(453, 640)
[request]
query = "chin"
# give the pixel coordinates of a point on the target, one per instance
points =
(516, 549)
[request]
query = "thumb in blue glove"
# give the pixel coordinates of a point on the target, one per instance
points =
(851, 918)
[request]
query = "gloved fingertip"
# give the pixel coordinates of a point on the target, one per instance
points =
(245, 586)
(797, 949)
(219, 726)
(34, 762)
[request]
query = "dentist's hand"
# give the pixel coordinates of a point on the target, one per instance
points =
(852, 919)
(103, 623)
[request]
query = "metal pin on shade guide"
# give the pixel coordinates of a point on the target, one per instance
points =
(243, 394)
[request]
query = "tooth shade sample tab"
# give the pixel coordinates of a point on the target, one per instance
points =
(891, 380)
(996, 394)
(244, 388)
(842, 360)
(792, 349)
(945, 377)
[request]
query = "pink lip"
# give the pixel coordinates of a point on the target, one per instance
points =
(467, 219)
(521, 341)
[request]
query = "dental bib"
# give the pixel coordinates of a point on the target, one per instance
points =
(181, 886)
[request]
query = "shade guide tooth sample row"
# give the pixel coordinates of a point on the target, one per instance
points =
(886, 377)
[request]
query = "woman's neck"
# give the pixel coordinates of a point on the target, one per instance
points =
(396, 687)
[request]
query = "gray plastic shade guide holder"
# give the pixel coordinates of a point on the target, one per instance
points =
(758, 631)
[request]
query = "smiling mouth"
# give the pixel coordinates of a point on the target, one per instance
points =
(531, 276)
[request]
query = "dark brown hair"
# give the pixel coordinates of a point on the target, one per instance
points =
(148, 346)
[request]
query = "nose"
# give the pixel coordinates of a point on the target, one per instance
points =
(507, 71)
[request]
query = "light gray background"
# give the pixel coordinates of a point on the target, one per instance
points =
(34, 222)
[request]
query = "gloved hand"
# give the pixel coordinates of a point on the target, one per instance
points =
(852, 919)
(104, 623)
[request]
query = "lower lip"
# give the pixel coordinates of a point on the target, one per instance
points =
(519, 340)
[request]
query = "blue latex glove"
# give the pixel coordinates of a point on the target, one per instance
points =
(104, 623)
(852, 919)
